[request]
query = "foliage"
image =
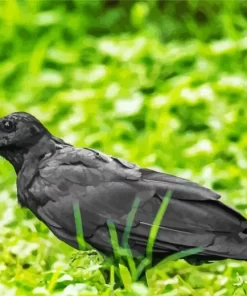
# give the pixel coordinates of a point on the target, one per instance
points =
(159, 83)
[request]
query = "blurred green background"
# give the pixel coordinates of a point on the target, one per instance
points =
(160, 83)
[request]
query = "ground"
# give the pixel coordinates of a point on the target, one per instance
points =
(161, 84)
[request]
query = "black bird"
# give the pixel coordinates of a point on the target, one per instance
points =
(53, 176)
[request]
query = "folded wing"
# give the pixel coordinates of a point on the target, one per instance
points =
(105, 189)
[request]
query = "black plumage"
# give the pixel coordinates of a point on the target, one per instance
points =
(52, 176)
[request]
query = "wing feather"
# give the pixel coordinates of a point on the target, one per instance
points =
(106, 187)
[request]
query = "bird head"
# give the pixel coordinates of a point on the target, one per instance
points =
(20, 129)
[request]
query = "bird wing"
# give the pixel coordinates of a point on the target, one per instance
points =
(105, 189)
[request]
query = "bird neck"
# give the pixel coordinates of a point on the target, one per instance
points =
(18, 155)
(43, 146)
(14, 155)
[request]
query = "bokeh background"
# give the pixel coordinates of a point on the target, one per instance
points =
(159, 83)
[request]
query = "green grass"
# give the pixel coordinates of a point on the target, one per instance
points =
(156, 223)
(79, 227)
(159, 83)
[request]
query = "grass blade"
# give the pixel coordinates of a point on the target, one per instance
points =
(141, 267)
(178, 255)
(125, 277)
(79, 229)
(114, 239)
(155, 226)
(130, 219)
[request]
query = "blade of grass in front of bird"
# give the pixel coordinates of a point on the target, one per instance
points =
(125, 238)
(125, 277)
(79, 229)
(141, 267)
(132, 266)
(118, 251)
(129, 222)
(155, 226)
(112, 277)
(114, 239)
(178, 255)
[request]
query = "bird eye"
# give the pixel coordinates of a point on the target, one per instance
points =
(8, 126)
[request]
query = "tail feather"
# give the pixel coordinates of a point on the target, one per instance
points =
(218, 230)
(214, 246)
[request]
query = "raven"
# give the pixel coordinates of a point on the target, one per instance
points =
(53, 176)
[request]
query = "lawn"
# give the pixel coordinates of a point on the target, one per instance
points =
(160, 83)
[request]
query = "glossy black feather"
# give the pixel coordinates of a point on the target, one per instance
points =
(53, 175)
